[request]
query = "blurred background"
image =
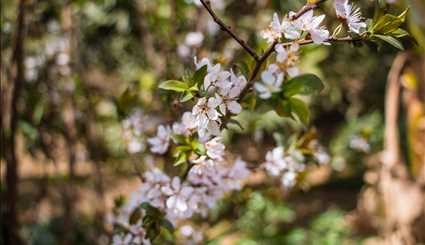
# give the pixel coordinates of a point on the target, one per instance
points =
(72, 70)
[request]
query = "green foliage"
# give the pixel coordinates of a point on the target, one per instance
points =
(287, 105)
(305, 84)
(155, 223)
(387, 28)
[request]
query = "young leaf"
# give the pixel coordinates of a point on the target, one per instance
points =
(300, 109)
(391, 40)
(304, 84)
(174, 85)
(198, 76)
(181, 159)
(187, 96)
(283, 108)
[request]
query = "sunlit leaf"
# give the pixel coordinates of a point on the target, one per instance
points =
(174, 85)
(300, 109)
(304, 85)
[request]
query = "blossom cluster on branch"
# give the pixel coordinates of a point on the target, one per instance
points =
(193, 144)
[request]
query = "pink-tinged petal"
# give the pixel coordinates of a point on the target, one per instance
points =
(175, 183)
(222, 109)
(260, 87)
(167, 190)
(234, 107)
(171, 202)
(212, 114)
(293, 71)
(181, 205)
(186, 191)
(267, 77)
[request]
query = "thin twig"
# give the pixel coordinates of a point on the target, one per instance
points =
(227, 29)
(306, 8)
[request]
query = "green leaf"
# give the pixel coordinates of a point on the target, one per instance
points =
(182, 158)
(300, 109)
(198, 76)
(135, 216)
(399, 33)
(187, 96)
(390, 40)
(167, 224)
(174, 85)
(304, 84)
(283, 108)
(388, 24)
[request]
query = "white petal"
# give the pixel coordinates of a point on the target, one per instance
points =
(234, 107)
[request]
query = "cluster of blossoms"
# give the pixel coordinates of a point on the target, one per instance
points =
(287, 164)
(222, 89)
(211, 175)
(180, 199)
(295, 30)
(307, 24)
(133, 128)
(285, 65)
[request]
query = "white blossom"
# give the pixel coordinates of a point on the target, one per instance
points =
(178, 194)
(272, 79)
(194, 39)
(290, 30)
(351, 14)
(311, 24)
(275, 161)
(191, 235)
(228, 93)
(288, 179)
(206, 116)
(285, 165)
(133, 132)
(186, 126)
(159, 143)
(215, 149)
(274, 31)
(287, 58)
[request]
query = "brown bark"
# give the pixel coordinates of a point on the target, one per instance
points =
(11, 224)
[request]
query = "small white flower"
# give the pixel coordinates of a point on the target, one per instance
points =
(178, 195)
(272, 79)
(288, 179)
(290, 30)
(287, 59)
(239, 171)
(275, 161)
(351, 14)
(215, 149)
(194, 39)
(203, 62)
(133, 132)
(228, 93)
(274, 31)
(207, 117)
(186, 126)
(159, 143)
(311, 24)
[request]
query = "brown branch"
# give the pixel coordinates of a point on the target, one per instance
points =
(12, 161)
(227, 29)
(307, 7)
(392, 144)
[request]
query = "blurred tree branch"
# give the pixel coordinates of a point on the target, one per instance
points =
(12, 161)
